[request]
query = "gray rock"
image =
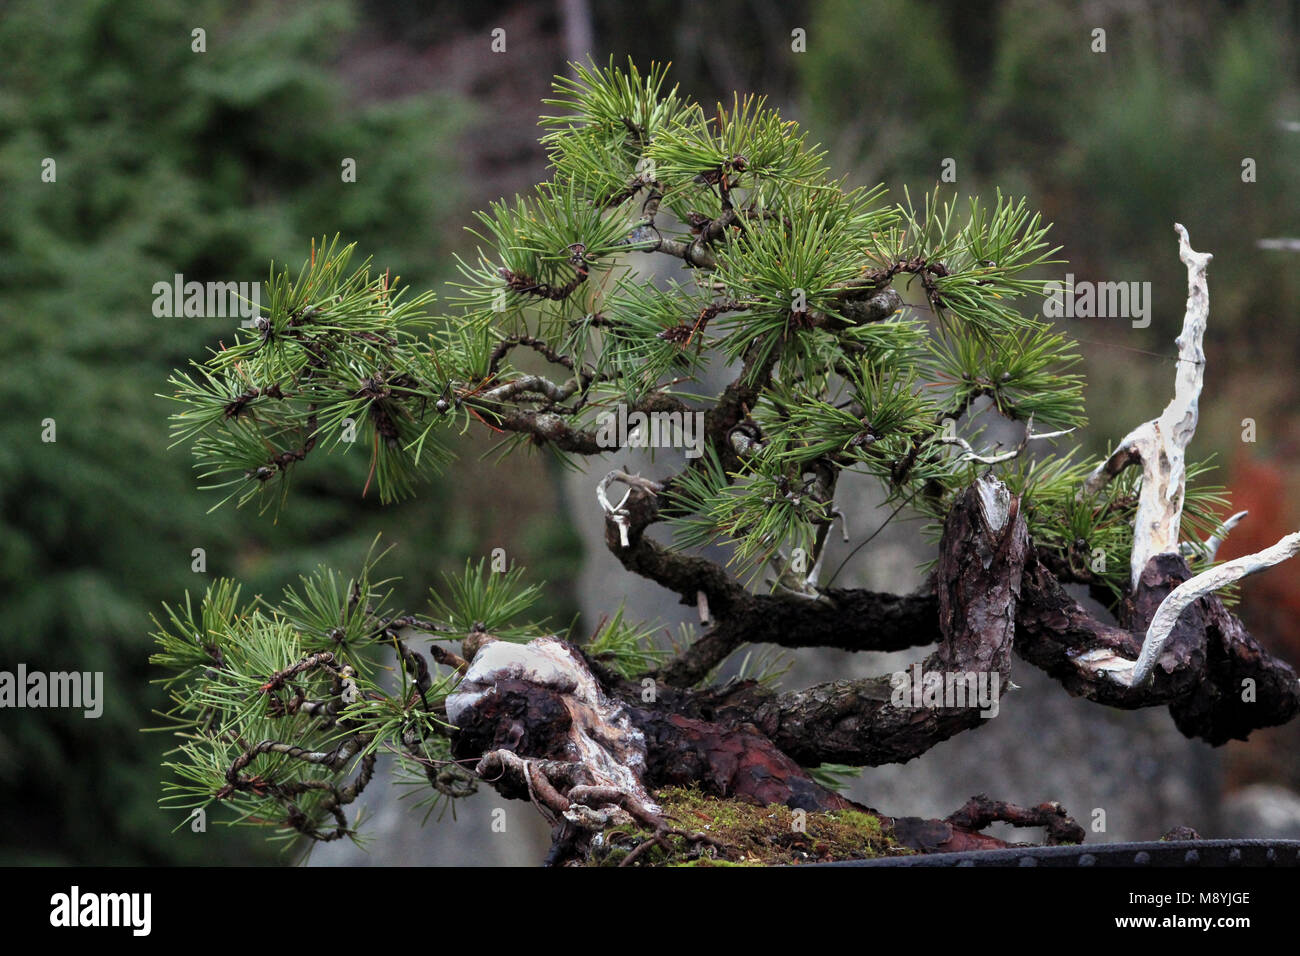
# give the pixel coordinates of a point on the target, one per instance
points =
(1262, 810)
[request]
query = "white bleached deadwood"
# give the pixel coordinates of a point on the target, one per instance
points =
(602, 739)
(1159, 446)
(1209, 548)
(1177, 601)
(1030, 435)
(995, 502)
(617, 512)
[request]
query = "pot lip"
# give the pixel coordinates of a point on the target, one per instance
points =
(1249, 852)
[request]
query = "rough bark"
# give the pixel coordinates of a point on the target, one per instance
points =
(588, 759)
(1216, 679)
(983, 551)
(847, 619)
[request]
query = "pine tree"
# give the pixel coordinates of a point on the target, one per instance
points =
(792, 283)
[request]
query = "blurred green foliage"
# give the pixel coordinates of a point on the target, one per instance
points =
(168, 161)
(1113, 147)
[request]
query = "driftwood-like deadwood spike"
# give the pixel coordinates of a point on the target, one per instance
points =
(1159, 445)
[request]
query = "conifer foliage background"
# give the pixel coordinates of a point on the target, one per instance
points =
(167, 162)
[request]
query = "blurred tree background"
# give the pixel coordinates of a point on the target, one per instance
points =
(1114, 147)
(209, 165)
(214, 164)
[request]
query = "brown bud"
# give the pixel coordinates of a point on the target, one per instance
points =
(474, 642)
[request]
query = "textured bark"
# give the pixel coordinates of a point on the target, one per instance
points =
(588, 750)
(1200, 675)
(984, 548)
(1170, 612)
(844, 619)
(544, 702)
(847, 619)
(728, 760)
(531, 730)
(545, 725)
(980, 811)
(1237, 686)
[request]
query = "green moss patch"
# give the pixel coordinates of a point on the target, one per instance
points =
(749, 835)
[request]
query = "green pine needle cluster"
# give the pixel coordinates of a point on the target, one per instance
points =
(777, 260)
(283, 707)
(339, 358)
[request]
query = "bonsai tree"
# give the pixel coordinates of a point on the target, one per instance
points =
(789, 286)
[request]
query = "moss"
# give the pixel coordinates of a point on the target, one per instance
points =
(711, 861)
(749, 835)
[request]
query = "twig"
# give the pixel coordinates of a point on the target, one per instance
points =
(617, 512)
(972, 455)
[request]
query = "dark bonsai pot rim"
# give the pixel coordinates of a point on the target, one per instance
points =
(1170, 853)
